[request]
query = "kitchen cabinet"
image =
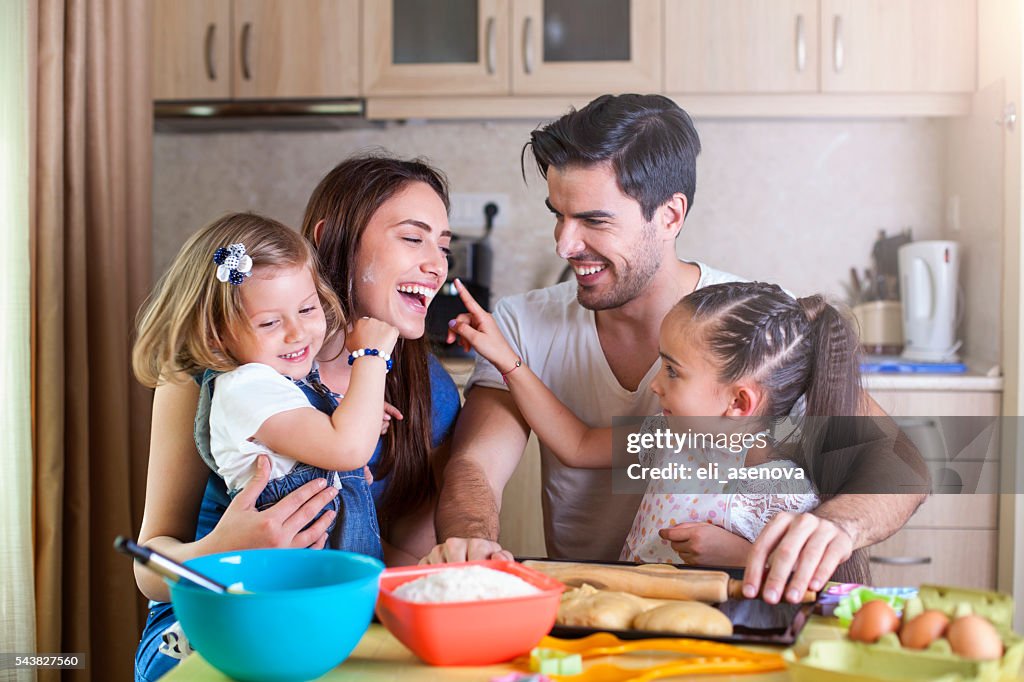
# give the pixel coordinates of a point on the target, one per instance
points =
(499, 47)
(450, 47)
(191, 49)
(866, 46)
(741, 46)
(255, 49)
(883, 46)
(951, 539)
(965, 558)
(569, 47)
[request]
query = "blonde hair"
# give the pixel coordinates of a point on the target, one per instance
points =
(183, 326)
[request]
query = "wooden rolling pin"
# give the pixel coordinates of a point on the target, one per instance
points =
(656, 581)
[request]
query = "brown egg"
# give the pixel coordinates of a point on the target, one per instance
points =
(974, 637)
(919, 632)
(872, 620)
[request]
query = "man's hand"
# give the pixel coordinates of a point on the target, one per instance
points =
(805, 545)
(706, 544)
(454, 550)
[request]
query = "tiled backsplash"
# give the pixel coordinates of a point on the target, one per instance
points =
(792, 201)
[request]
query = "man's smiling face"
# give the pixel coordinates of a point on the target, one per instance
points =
(602, 233)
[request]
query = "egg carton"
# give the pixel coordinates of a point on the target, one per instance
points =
(847, 661)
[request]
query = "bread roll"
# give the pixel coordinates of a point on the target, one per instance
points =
(589, 607)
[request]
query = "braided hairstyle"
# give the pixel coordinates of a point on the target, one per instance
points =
(791, 347)
(794, 349)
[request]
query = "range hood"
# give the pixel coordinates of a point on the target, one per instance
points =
(257, 107)
(273, 114)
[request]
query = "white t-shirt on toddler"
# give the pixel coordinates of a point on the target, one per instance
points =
(243, 399)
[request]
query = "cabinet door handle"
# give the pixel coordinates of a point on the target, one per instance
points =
(901, 560)
(801, 44)
(528, 45)
(246, 40)
(837, 43)
(211, 67)
(492, 47)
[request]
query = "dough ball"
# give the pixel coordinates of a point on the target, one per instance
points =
(685, 618)
(591, 608)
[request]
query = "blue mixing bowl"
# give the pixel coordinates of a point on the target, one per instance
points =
(307, 611)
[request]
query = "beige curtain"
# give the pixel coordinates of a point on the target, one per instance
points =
(17, 603)
(90, 266)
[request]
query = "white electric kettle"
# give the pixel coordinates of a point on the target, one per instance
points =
(928, 286)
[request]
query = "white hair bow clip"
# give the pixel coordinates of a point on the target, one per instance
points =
(232, 264)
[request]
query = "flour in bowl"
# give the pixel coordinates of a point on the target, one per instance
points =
(469, 583)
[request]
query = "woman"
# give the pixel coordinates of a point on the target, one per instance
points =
(380, 227)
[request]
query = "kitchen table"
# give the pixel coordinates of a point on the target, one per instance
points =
(379, 656)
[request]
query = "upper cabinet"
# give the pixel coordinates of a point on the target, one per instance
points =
(296, 48)
(866, 46)
(738, 46)
(191, 49)
(535, 58)
(898, 45)
(571, 47)
(255, 49)
(451, 47)
(497, 47)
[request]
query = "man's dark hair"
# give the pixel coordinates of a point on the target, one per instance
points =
(648, 139)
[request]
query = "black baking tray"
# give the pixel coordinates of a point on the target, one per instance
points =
(753, 620)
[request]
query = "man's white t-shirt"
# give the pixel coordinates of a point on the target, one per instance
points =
(243, 399)
(557, 338)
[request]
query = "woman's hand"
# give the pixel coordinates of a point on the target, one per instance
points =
(368, 332)
(282, 525)
(704, 544)
(477, 329)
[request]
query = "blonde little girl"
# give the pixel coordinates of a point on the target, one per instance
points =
(729, 351)
(244, 311)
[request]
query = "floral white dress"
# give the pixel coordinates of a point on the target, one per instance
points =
(742, 506)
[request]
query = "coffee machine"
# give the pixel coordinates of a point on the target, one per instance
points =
(471, 262)
(928, 283)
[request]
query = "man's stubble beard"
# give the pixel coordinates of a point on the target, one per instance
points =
(645, 263)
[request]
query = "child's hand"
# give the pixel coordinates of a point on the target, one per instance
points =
(704, 544)
(389, 412)
(478, 329)
(370, 333)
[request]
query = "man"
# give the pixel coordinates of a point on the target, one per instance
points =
(621, 175)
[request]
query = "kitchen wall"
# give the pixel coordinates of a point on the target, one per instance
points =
(792, 201)
(974, 181)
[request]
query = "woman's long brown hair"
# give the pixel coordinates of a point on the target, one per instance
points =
(346, 199)
(794, 348)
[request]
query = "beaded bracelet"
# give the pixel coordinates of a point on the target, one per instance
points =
(371, 351)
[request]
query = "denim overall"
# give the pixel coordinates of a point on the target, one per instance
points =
(355, 529)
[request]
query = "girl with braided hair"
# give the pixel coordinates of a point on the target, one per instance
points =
(748, 355)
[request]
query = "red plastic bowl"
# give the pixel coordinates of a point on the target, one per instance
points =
(474, 632)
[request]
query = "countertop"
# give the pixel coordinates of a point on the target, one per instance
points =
(980, 376)
(379, 657)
